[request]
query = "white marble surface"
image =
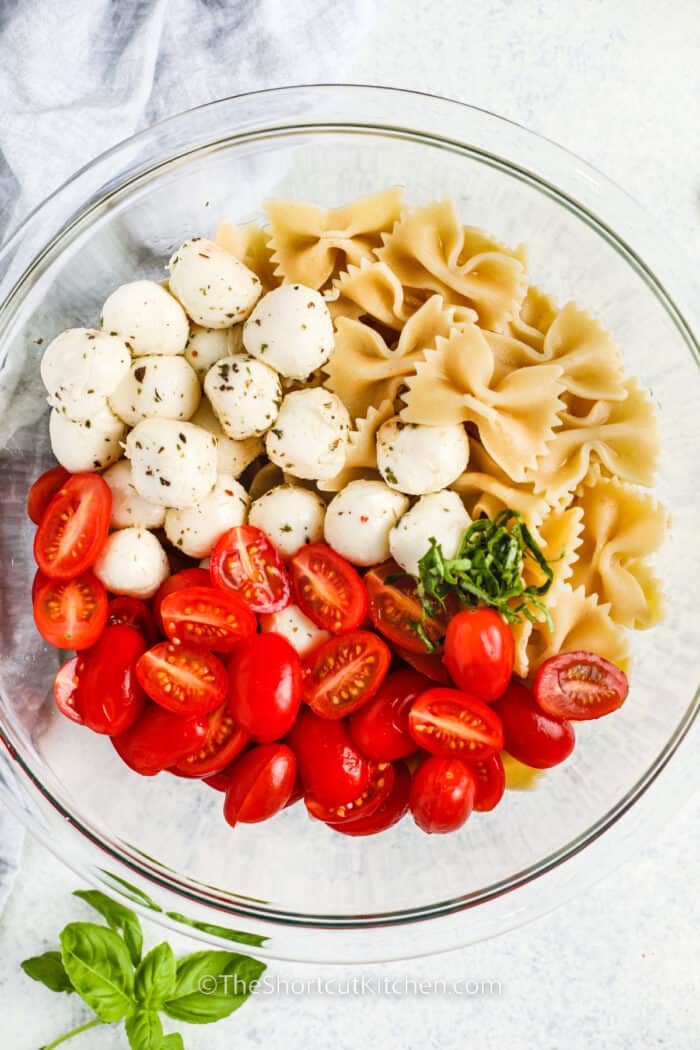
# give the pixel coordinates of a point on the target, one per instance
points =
(616, 967)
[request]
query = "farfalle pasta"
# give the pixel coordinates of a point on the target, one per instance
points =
(486, 490)
(579, 623)
(361, 457)
(250, 244)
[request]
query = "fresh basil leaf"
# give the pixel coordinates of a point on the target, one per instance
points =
(155, 979)
(211, 985)
(172, 1042)
(99, 967)
(120, 919)
(144, 1030)
(255, 940)
(49, 970)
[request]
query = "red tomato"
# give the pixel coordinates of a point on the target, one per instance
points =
(451, 723)
(330, 766)
(395, 608)
(183, 678)
(39, 579)
(380, 727)
(43, 490)
(379, 787)
(71, 614)
(327, 588)
(224, 742)
(245, 561)
(533, 737)
(158, 739)
(442, 795)
(428, 664)
(297, 793)
(110, 698)
(490, 782)
(134, 613)
(479, 653)
(74, 527)
(178, 582)
(344, 673)
(579, 686)
(65, 690)
(217, 781)
(387, 814)
(265, 693)
(260, 784)
(208, 617)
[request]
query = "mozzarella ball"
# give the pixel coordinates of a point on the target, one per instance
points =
(172, 463)
(132, 562)
(87, 444)
(157, 388)
(290, 516)
(206, 346)
(128, 508)
(440, 515)
(195, 530)
(301, 632)
(245, 395)
(359, 519)
(216, 290)
(80, 368)
(417, 459)
(147, 317)
(291, 330)
(232, 456)
(310, 435)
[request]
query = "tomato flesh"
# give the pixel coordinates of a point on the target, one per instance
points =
(449, 723)
(479, 653)
(158, 739)
(380, 727)
(208, 617)
(74, 527)
(265, 690)
(260, 784)
(245, 561)
(70, 614)
(134, 613)
(579, 686)
(442, 795)
(344, 673)
(379, 787)
(43, 490)
(178, 582)
(224, 742)
(396, 611)
(183, 678)
(329, 765)
(65, 690)
(109, 697)
(490, 783)
(390, 812)
(328, 589)
(532, 736)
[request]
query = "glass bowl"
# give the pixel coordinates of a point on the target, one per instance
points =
(291, 888)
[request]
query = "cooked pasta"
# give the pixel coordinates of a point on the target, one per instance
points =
(361, 457)
(250, 244)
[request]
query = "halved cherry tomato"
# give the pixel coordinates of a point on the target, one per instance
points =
(379, 787)
(329, 765)
(387, 814)
(579, 686)
(134, 613)
(183, 678)
(297, 793)
(490, 782)
(260, 784)
(479, 653)
(451, 723)
(442, 795)
(178, 582)
(110, 698)
(380, 727)
(206, 616)
(65, 690)
(43, 490)
(71, 614)
(428, 664)
(533, 737)
(39, 579)
(245, 561)
(344, 673)
(74, 527)
(224, 742)
(265, 693)
(327, 588)
(217, 781)
(158, 739)
(395, 609)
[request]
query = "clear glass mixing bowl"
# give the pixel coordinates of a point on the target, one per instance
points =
(291, 888)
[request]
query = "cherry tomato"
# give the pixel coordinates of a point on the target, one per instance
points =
(297, 793)
(396, 611)
(158, 739)
(217, 781)
(265, 693)
(490, 782)
(74, 527)
(327, 588)
(39, 579)
(428, 664)
(479, 653)
(380, 727)
(390, 812)
(451, 723)
(65, 690)
(330, 766)
(579, 686)
(43, 490)
(178, 582)
(183, 678)
(224, 742)
(442, 795)
(110, 698)
(533, 737)
(208, 617)
(379, 787)
(71, 614)
(245, 561)
(134, 613)
(344, 673)
(260, 784)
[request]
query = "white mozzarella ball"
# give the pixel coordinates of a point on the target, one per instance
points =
(216, 290)
(245, 395)
(206, 346)
(173, 463)
(310, 436)
(417, 459)
(81, 367)
(147, 317)
(359, 519)
(290, 516)
(132, 562)
(128, 508)
(157, 388)
(87, 444)
(441, 516)
(301, 632)
(232, 456)
(195, 530)
(291, 330)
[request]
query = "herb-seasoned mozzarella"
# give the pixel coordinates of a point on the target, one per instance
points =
(132, 562)
(245, 395)
(173, 463)
(157, 387)
(80, 368)
(310, 436)
(291, 330)
(359, 519)
(216, 290)
(297, 628)
(206, 346)
(440, 515)
(418, 459)
(147, 318)
(232, 456)
(290, 516)
(128, 508)
(88, 444)
(195, 530)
